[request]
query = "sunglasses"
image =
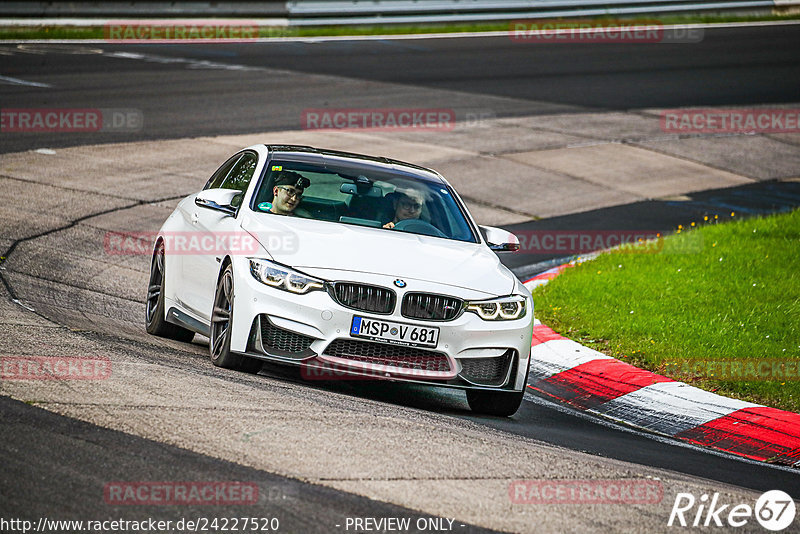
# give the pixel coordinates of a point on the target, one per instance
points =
(291, 193)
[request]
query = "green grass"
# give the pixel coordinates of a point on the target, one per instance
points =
(96, 32)
(728, 291)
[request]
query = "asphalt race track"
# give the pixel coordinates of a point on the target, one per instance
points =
(196, 90)
(422, 454)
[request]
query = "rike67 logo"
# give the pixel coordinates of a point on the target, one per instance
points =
(774, 510)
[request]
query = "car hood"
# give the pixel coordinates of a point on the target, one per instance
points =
(310, 244)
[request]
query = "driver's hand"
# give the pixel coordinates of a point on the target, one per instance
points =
(389, 225)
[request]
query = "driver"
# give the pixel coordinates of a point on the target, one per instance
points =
(407, 205)
(287, 191)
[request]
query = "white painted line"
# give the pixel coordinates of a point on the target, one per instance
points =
(190, 63)
(17, 301)
(16, 81)
(670, 407)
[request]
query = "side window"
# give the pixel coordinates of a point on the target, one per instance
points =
(218, 177)
(241, 174)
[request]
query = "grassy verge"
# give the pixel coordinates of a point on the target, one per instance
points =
(717, 305)
(97, 32)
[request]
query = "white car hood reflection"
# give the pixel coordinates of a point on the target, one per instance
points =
(310, 244)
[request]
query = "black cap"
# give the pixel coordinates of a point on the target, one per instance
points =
(292, 178)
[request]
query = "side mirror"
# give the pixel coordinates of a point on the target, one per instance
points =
(218, 199)
(499, 240)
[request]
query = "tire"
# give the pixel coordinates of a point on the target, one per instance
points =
(220, 341)
(501, 403)
(154, 305)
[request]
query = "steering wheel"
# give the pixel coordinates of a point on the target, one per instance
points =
(418, 226)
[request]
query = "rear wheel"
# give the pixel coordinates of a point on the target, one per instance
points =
(154, 312)
(502, 403)
(221, 321)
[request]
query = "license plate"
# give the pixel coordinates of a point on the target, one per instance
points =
(394, 333)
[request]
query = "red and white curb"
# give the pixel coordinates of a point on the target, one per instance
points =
(590, 381)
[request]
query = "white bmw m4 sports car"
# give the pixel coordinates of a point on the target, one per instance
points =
(349, 266)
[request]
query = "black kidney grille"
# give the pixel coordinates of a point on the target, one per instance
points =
(431, 307)
(364, 298)
(389, 355)
(486, 371)
(285, 340)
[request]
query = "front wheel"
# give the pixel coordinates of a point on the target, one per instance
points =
(501, 403)
(221, 323)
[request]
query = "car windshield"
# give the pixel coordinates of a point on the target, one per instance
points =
(364, 196)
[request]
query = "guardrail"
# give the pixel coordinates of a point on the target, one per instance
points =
(334, 12)
(319, 12)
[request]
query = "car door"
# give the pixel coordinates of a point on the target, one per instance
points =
(211, 234)
(179, 261)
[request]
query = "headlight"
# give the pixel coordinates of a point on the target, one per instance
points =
(500, 309)
(278, 276)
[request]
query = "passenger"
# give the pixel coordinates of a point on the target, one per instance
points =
(407, 205)
(287, 192)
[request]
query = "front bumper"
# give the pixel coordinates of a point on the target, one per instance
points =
(313, 331)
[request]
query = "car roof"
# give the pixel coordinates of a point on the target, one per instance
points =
(324, 155)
